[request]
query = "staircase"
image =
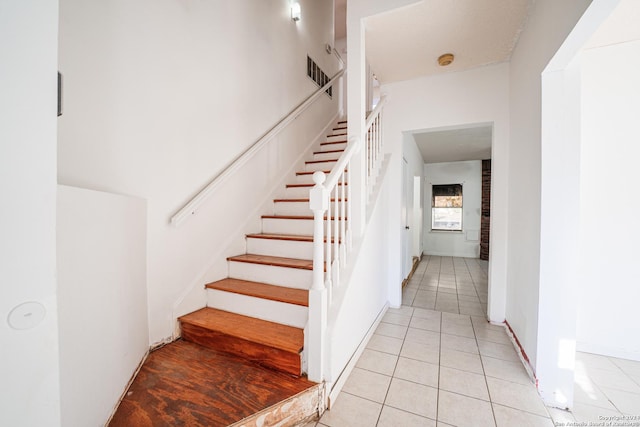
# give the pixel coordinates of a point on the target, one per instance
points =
(258, 314)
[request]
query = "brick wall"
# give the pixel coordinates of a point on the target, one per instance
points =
(486, 209)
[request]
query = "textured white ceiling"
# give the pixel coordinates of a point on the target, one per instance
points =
(453, 145)
(405, 43)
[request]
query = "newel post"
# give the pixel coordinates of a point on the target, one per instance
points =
(319, 203)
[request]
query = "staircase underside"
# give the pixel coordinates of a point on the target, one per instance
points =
(185, 384)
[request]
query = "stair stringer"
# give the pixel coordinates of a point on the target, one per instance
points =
(194, 297)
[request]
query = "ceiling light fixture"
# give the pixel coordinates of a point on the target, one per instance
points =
(445, 59)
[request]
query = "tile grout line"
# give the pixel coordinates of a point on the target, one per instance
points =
(439, 372)
(384, 401)
(484, 374)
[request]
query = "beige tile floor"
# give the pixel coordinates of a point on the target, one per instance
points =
(437, 362)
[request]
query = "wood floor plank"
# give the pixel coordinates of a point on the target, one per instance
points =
(185, 384)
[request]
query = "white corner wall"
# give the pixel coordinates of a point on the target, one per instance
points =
(366, 294)
(102, 300)
(548, 25)
(465, 243)
(159, 96)
(469, 97)
(608, 291)
(30, 390)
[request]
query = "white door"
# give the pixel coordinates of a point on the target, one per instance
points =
(417, 216)
(406, 228)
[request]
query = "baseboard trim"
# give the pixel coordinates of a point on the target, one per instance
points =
(604, 350)
(522, 354)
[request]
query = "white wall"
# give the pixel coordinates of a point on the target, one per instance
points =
(548, 25)
(341, 47)
(102, 300)
(450, 100)
(366, 294)
(30, 390)
(161, 95)
(608, 290)
(463, 243)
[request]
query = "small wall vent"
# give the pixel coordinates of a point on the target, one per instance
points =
(317, 75)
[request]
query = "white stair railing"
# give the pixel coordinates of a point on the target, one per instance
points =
(373, 137)
(330, 200)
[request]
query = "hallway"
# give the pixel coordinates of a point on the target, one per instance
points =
(437, 359)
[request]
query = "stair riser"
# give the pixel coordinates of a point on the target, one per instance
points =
(304, 179)
(273, 311)
(308, 179)
(322, 166)
(298, 208)
(328, 147)
(266, 356)
(299, 192)
(298, 227)
(272, 275)
(292, 208)
(327, 156)
(333, 138)
(281, 248)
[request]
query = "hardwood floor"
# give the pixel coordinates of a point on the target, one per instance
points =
(185, 384)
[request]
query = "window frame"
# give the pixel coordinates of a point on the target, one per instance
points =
(453, 188)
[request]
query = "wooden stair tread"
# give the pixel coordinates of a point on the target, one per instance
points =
(309, 162)
(262, 290)
(303, 217)
(333, 142)
(312, 172)
(308, 185)
(291, 237)
(298, 200)
(303, 264)
(270, 334)
(328, 151)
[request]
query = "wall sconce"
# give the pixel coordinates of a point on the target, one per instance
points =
(295, 11)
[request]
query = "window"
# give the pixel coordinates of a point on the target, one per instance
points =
(446, 207)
